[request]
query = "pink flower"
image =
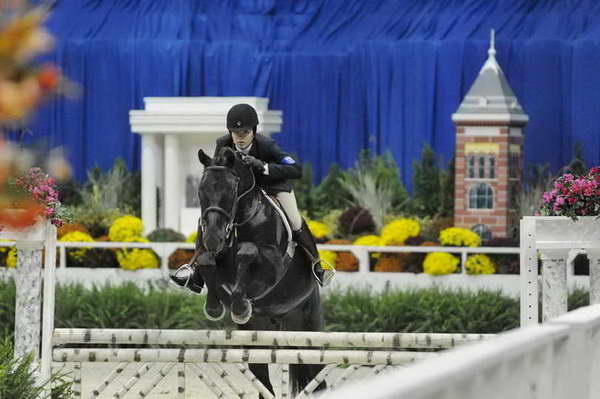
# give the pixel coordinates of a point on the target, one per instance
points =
(595, 170)
(560, 200)
(571, 200)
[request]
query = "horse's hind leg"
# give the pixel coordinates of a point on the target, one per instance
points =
(241, 307)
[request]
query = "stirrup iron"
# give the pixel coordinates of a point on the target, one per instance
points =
(328, 272)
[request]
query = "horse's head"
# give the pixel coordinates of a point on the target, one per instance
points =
(224, 178)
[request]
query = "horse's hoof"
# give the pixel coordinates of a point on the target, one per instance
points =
(244, 316)
(210, 314)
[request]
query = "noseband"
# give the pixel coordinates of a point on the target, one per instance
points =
(231, 225)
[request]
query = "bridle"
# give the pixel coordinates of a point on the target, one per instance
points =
(231, 224)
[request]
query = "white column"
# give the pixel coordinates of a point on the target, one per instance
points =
(48, 303)
(594, 258)
(173, 195)
(149, 161)
(28, 297)
(529, 274)
(554, 282)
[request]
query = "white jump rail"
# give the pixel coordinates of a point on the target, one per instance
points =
(200, 350)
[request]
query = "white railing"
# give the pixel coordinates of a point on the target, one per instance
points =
(557, 360)
(362, 278)
(165, 249)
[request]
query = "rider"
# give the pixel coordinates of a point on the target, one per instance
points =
(273, 169)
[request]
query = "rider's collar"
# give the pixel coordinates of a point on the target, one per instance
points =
(244, 150)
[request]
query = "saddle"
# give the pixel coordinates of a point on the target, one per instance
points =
(291, 245)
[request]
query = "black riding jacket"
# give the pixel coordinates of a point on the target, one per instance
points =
(282, 166)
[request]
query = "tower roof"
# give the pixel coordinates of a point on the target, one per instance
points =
(490, 99)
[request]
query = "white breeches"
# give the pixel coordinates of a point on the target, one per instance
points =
(290, 207)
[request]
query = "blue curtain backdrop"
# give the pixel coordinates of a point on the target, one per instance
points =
(348, 74)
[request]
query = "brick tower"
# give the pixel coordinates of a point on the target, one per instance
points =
(489, 143)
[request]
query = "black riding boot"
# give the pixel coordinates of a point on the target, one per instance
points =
(305, 239)
(188, 276)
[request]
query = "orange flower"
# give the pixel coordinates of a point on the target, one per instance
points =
(20, 215)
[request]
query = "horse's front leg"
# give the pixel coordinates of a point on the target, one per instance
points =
(241, 307)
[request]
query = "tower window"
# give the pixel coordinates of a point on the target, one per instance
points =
(481, 167)
(471, 166)
(481, 196)
(491, 167)
(513, 165)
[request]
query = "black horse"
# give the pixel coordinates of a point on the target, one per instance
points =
(253, 273)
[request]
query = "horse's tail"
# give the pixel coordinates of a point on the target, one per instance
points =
(302, 374)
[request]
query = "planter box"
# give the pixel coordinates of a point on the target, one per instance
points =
(554, 229)
(564, 232)
(36, 232)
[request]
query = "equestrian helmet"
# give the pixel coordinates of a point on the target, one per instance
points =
(242, 116)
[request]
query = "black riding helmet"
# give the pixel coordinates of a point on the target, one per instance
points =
(242, 116)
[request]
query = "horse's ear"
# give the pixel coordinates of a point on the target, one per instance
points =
(204, 159)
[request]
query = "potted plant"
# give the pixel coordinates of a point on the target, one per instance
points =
(570, 210)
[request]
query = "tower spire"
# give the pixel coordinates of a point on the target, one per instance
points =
(492, 49)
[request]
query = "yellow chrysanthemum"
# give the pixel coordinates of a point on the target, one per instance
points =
(480, 264)
(369, 241)
(459, 237)
(438, 263)
(398, 231)
(5, 249)
(137, 258)
(11, 259)
(192, 237)
(319, 230)
(76, 236)
(125, 227)
(328, 258)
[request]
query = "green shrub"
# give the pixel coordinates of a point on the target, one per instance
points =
(7, 307)
(305, 191)
(426, 184)
(165, 235)
(329, 195)
(427, 310)
(415, 310)
(374, 184)
(17, 379)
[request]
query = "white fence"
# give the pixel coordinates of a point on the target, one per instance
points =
(376, 281)
(557, 360)
(509, 284)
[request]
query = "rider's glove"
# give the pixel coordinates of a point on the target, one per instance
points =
(256, 164)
